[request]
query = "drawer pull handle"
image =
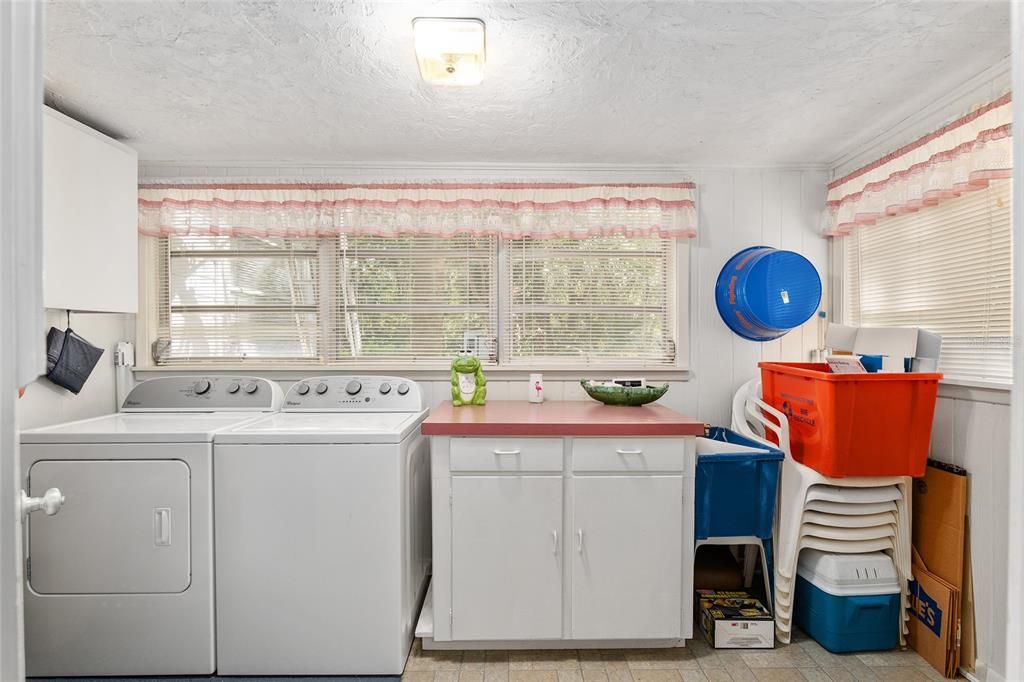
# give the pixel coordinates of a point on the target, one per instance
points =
(579, 541)
(507, 452)
(629, 452)
(554, 542)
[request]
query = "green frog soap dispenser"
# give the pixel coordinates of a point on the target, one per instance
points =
(469, 385)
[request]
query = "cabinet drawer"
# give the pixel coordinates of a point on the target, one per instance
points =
(628, 454)
(506, 454)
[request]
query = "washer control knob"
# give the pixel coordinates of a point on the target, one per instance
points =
(403, 388)
(302, 389)
(353, 387)
(233, 387)
(385, 388)
(201, 386)
(321, 388)
(251, 387)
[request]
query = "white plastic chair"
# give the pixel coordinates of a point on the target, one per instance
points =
(801, 486)
(783, 607)
(750, 389)
(850, 520)
(852, 509)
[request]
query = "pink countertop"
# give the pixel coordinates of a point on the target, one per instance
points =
(558, 418)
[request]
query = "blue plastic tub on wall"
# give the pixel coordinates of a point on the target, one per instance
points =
(735, 491)
(763, 292)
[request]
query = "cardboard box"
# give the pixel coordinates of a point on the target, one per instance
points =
(935, 619)
(896, 343)
(714, 568)
(939, 534)
(734, 620)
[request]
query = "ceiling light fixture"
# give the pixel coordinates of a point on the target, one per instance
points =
(449, 51)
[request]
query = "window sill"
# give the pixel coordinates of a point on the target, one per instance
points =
(295, 373)
(975, 390)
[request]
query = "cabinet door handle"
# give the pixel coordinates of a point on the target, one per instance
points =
(554, 542)
(579, 540)
(629, 452)
(506, 452)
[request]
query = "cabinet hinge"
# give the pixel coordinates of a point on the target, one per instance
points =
(28, 568)
(451, 498)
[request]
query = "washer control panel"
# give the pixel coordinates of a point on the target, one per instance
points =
(204, 394)
(354, 394)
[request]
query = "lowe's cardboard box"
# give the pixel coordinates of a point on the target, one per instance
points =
(940, 525)
(734, 620)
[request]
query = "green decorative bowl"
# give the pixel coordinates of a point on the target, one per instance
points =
(624, 395)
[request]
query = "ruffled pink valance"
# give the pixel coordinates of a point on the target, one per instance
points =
(508, 210)
(961, 157)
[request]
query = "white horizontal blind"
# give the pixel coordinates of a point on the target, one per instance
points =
(417, 299)
(236, 299)
(945, 268)
(590, 302)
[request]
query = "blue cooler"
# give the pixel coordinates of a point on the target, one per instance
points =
(848, 602)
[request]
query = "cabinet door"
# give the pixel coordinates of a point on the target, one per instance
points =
(627, 557)
(506, 557)
(90, 219)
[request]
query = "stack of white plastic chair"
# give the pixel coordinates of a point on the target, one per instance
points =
(839, 515)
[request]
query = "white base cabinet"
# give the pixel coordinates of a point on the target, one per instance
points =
(570, 541)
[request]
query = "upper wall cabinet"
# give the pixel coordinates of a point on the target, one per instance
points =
(90, 219)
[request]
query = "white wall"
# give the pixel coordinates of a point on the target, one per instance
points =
(738, 208)
(45, 403)
(973, 432)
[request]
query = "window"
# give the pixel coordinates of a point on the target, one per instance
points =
(590, 301)
(415, 301)
(945, 268)
(237, 298)
(412, 298)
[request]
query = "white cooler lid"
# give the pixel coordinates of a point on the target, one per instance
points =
(849, 574)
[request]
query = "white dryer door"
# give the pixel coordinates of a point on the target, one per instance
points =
(124, 528)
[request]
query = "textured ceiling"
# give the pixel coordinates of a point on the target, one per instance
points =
(566, 82)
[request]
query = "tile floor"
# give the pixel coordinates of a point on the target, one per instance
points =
(804, 659)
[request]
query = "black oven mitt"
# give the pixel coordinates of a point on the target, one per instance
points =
(70, 359)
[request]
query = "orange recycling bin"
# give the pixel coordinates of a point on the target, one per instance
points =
(854, 424)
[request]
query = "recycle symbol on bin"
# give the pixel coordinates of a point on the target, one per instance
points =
(786, 408)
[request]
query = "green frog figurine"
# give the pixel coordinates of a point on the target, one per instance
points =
(469, 385)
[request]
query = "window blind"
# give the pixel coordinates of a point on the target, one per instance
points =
(233, 299)
(945, 268)
(596, 301)
(414, 298)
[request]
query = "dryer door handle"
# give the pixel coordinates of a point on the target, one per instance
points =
(162, 527)
(50, 503)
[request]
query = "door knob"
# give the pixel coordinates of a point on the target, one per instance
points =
(51, 502)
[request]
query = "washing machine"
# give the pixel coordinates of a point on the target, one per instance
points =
(322, 530)
(120, 581)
